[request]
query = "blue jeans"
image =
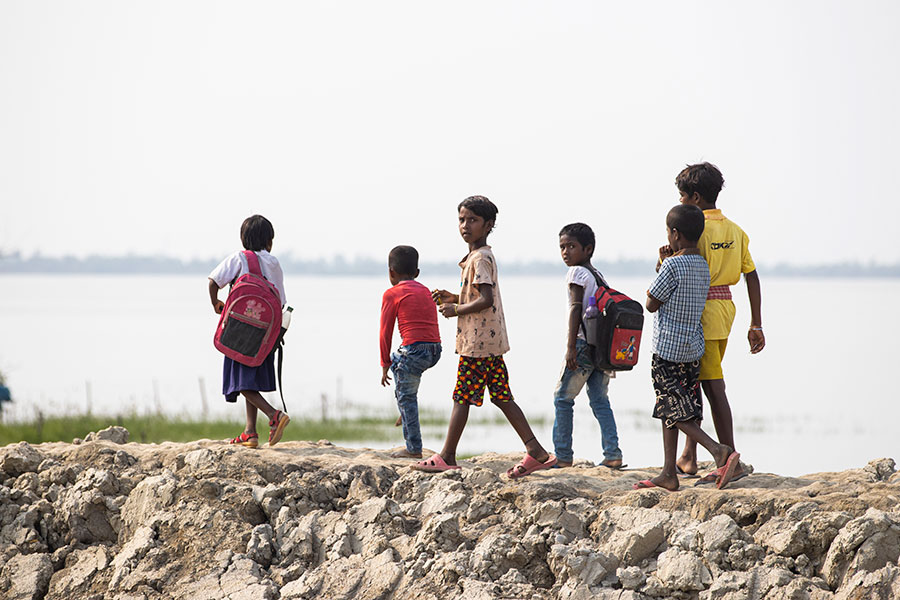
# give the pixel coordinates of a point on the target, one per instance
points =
(569, 386)
(407, 364)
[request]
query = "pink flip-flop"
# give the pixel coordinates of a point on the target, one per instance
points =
(727, 470)
(646, 484)
(529, 465)
(435, 464)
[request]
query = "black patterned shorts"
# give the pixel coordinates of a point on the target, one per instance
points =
(677, 387)
(474, 374)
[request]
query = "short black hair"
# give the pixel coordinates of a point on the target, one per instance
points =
(581, 232)
(704, 178)
(257, 233)
(688, 219)
(404, 260)
(481, 206)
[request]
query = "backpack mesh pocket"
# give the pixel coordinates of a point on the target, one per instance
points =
(243, 334)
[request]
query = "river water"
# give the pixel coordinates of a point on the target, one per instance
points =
(820, 397)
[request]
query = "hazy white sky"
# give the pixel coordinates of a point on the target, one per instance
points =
(156, 127)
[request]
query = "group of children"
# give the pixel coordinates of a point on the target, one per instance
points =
(705, 255)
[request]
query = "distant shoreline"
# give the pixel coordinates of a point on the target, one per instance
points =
(340, 266)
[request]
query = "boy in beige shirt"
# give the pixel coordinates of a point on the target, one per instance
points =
(481, 342)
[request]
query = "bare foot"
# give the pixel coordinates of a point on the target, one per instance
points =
(721, 454)
(563, 465)
(543, 457)
(612, 463)
(688, 467)
(669, 483)
(405, 454)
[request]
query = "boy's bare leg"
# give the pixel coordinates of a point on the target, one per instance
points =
(714, 390)
(517, 419)
(668, 478)
(458, 419)
(720, 452)
(255, 401)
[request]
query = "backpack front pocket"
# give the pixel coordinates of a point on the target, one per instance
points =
(243, 334)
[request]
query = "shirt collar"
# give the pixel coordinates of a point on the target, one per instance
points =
(714, 214)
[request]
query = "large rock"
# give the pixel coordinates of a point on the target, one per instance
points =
(20, 458)
(26, 576)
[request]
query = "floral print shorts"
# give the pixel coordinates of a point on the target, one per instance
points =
(474, 374)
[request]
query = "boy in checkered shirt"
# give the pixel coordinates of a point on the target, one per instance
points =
(678, 296)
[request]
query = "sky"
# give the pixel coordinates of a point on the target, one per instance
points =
(157, 127)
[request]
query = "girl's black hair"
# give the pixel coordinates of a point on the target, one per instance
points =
(688, 219)
(481, 206)
(581, 232)
(257, 233)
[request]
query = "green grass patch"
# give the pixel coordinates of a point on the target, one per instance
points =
(155, 429)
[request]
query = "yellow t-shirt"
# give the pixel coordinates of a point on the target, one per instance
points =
(725, 247)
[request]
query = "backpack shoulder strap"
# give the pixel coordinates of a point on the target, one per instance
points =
(253, 262)
(601, 283)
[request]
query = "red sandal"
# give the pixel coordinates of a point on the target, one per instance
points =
(250, 440)
(276, 426)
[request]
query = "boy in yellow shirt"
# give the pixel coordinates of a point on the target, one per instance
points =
(724, 245)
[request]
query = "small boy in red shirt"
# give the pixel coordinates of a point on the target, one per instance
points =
(409, 303)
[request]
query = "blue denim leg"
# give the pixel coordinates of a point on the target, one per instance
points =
(569, 386)
(407, 364)
(598, 396)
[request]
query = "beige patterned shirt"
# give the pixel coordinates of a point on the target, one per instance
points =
(483, 333)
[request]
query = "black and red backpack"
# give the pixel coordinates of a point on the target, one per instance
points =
(614, 333)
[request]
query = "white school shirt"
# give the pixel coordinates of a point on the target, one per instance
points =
(582, 277)
(235, 265)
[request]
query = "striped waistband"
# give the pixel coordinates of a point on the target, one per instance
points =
(719, 292)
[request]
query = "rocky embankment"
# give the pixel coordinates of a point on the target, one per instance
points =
(205, 520)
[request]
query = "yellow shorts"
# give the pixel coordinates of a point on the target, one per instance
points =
(711, 363)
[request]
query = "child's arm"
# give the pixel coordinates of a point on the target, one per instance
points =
(652, 303)
(755, 336)
(217, 304)
(388, 315)
(484, 300)
(576, 303)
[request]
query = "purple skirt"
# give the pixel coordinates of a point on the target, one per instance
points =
(237, 377)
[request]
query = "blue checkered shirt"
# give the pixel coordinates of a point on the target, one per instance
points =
(681, 285)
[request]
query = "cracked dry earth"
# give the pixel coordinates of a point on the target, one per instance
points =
(205, 520)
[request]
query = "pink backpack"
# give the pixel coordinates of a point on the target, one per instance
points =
(250, 324)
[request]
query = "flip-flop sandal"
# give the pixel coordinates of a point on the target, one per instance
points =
(249, 440)
(646, 484)
(276, 427)
(711, 477)
(529, 465)
(728, 470)
(618, 468)
(435, 464)
(685, 475)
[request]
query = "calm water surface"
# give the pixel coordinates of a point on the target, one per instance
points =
(818, 398)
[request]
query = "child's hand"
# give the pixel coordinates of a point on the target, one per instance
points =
(218, 306)
(757, 340)
(449, 309)
(442, 297)
(571, 358)
(385, 378)
(665, 252)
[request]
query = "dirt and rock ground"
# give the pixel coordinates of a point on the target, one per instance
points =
(205, 520)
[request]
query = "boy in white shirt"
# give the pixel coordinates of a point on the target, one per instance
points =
(576, 244)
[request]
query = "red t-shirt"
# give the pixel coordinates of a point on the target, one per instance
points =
(410, 304)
